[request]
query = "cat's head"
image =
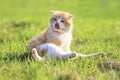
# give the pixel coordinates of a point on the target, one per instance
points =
(61, 21)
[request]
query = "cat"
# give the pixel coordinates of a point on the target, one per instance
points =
(58, 33)
(56, 39)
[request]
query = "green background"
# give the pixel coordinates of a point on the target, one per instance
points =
(96, 29)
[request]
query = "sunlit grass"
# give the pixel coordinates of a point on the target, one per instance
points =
(96, 29)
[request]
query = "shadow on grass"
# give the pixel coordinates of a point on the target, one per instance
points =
(109, 64)
(16, 57)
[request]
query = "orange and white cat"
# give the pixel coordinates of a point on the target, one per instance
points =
(56, 39)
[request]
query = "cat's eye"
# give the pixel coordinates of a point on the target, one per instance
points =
(54, 19)
(62, 21)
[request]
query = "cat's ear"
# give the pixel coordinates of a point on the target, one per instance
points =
(70, 16)
(53, 12)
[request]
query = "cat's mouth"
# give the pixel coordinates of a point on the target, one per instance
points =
(57, 26)
(61, 30)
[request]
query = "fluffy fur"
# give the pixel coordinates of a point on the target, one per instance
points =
(58, 33)
(56, 39)
(52, 51)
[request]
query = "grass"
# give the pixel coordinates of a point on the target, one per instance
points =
(96, 29)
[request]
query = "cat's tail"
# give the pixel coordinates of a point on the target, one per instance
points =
(90, 55)
(36, 55)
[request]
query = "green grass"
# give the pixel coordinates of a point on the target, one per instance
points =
(96, 29)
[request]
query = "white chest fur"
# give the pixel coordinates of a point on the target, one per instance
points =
(65, 38)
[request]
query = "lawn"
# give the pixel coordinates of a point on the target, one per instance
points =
(96, 29)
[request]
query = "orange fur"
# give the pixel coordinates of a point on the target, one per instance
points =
(53, 35)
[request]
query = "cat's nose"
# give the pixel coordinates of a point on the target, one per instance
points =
(57, 25)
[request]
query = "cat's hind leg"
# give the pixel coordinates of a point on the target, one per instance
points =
(51, 51)
(70, 55)
(36, 55)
